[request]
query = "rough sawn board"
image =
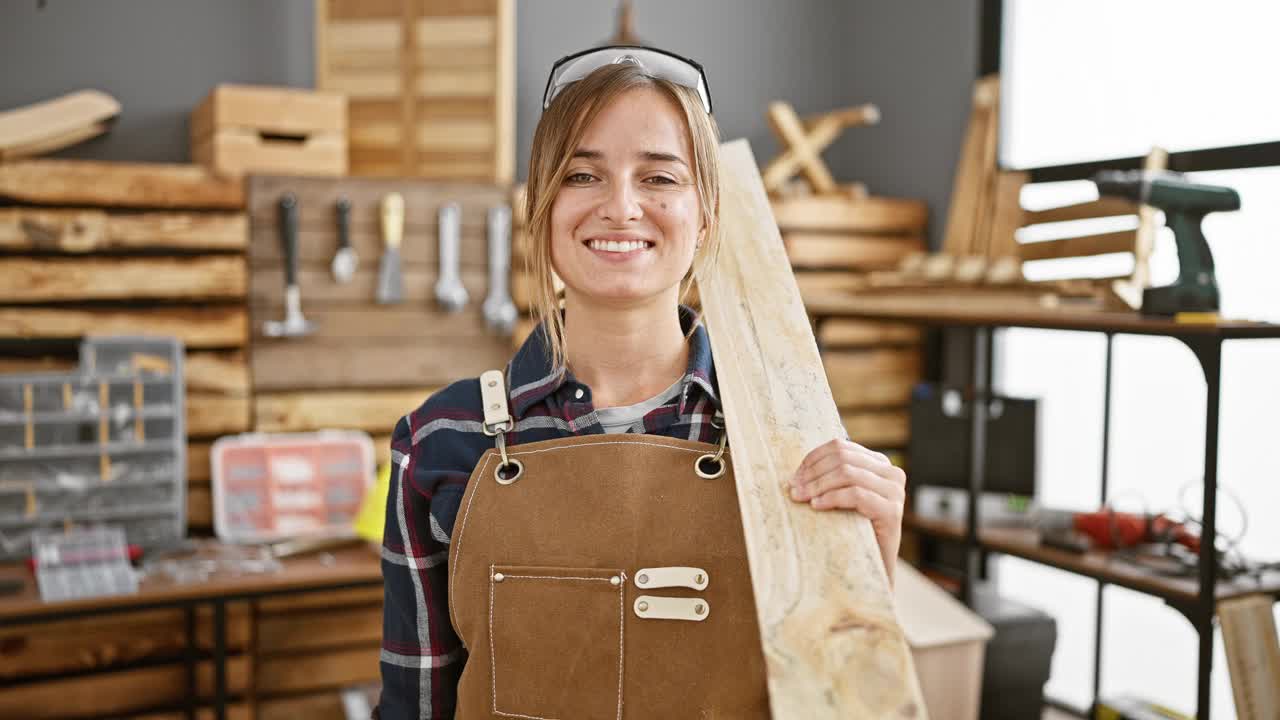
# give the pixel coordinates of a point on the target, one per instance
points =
(831, 639)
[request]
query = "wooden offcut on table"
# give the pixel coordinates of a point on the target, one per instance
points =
(832, 644)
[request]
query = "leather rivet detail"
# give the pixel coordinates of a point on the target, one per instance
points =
(644, 579)
(698, 578)
(699, 608)
(499, 577)
(493, 383)
(642, 606)
(615, 580)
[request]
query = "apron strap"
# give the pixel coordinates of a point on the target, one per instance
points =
(497, 423)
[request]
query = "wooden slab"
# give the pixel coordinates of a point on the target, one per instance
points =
(314, 365)
(832, 643)
(1102, 207)
(849, 252)
(217, 372)
(210, 414)
(78, 230)
(840, 213)
(317, 670)
(844, 333)
(1081, 246)
(319, 629)
(872, 378)
(38, 280)
(134, 185)
(373, 411)
(964, 208)
(197, 327)
(324, 705)
(54, 124)
(879, 429)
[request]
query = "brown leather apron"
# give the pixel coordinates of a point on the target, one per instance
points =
(603, 576)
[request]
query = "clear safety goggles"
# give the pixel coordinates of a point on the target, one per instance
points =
(655, 63)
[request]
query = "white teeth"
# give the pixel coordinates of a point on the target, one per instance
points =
(618, 246)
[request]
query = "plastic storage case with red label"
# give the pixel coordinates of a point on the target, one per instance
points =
(268, 487)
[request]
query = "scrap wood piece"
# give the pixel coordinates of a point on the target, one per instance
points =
(804, 141)
(82, 230)
(51, 125)
(1253, 655)
(831, 640)
(212, 326)
(1129, 290)
(29, 280)
(839, 213)
(977, 161)
(132, 185)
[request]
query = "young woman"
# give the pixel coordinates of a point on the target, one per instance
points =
(563, 540)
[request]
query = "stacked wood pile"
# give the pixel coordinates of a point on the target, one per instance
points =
(430, 85)
(120, 248)
(834, 242)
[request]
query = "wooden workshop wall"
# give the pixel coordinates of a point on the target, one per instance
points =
(120, 248)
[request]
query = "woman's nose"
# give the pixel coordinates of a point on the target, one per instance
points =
(620, 203)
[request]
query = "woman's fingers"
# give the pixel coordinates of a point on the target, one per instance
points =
(824, 459)
(846, 475)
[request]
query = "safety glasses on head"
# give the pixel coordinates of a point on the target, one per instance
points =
(655, 63)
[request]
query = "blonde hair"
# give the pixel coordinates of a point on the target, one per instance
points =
(559, 131)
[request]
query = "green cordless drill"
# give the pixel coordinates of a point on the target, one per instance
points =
(1184, 204)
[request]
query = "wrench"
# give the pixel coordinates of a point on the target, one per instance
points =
(449, 290)
(499, 311)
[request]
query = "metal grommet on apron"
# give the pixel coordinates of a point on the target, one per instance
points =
(717, 421)
(610, 582)
(497, 423)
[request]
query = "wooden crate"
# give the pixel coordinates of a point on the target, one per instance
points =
(431, 85)
(243, 128)
(131, 248)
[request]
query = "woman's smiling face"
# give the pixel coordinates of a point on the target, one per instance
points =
(627, 219)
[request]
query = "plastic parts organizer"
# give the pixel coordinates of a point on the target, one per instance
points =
(104, 444)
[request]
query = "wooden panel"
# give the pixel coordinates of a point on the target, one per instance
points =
(456, 82)
(326, 628)
(361, 596)
(210, 414)
(397, 323)
(221, 372)
(878, 429)
(318, 706)
(235, 711)
(234, 153)
(1103, 207)
(33, 280)
(115, 693)
(474, 57)
(456, 135)
(135, 185)
(1101, 244)
(843, 332)
(199, 507)
(310, 364)
(363, 34)
(205, 327)
(836, 213)
(100, 642)
(86, 230)
(273, 110)
(1008, 214)
(852, 252)
(832, 644)
(317, 670)
(321, 292)
(422, 201)
(965, 210)
(440, 33)
(198, 467)
(872, 378)
(366, 84)
(373, 411)
(461, 7)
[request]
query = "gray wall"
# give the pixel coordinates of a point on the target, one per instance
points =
(914, 58)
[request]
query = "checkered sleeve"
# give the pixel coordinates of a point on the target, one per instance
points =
(422, 657)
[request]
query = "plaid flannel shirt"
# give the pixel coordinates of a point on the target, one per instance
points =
(433, 452)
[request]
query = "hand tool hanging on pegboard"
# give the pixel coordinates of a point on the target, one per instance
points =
(294, 324)
(345, 260)
(390, 282)
(450, 292)
(499, 310)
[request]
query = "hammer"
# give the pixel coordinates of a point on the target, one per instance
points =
(294, 324)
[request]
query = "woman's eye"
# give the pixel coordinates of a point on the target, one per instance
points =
(661, 180)
(579, 178)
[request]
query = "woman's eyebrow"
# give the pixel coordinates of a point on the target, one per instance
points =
(650, 155)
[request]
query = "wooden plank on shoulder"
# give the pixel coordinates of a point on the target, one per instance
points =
(831, 639)
(79, 230)
(197, 327)
(134, 185)
(38, 280)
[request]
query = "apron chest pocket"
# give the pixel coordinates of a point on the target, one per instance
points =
(556, 643)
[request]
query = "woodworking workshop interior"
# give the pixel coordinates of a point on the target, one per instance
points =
(639, 360)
